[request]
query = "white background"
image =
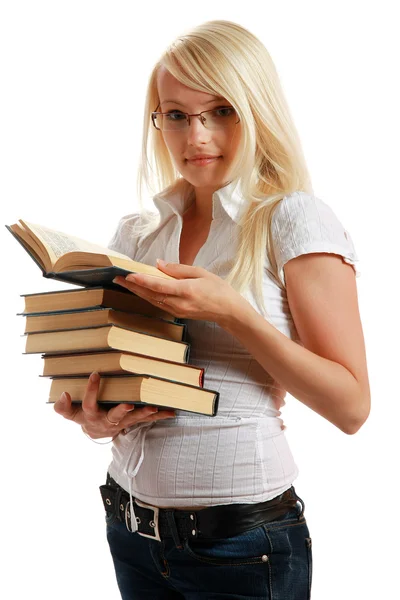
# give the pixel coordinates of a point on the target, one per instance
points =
(73, 79)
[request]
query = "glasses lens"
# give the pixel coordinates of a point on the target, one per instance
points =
(171, 121)
(220, 118)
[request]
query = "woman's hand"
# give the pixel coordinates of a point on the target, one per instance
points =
(98, 423)
(194, 293)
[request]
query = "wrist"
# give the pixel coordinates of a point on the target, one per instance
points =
(236, 312)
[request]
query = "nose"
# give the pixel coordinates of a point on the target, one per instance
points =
(197, 133)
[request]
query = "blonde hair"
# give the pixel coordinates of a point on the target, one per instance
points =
(223, 58)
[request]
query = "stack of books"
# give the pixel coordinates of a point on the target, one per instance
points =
(139, 349)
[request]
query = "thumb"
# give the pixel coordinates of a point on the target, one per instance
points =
(180, 271)
(63, 406)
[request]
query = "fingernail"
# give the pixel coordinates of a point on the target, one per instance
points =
(94, 378)
(161, 262)
(115, 280)
(63, 398)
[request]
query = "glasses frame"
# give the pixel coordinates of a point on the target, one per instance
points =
(155, 113)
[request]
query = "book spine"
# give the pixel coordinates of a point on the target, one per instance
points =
(215, 404)
(187, 353)
(184, 330)
(201, 378)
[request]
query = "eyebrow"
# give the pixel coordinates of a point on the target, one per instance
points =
(216, 99)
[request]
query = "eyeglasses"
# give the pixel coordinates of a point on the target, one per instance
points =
(176, 120)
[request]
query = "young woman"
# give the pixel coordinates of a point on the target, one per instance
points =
(264, 273)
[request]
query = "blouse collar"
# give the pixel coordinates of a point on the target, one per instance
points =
(176, 198)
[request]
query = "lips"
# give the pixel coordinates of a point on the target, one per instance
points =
(203, 162)
(203, 157)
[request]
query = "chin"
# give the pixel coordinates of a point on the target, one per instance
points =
(202, 175)
(204, 181)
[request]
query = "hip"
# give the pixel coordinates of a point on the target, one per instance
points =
(271, 559)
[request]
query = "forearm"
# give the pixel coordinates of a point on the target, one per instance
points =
(323, 385)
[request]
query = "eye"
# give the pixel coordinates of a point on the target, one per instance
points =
(224, 111)
(171, 114)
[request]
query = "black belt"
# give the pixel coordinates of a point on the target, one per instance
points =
(213, 522)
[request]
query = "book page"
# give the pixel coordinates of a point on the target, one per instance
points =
(58, 243)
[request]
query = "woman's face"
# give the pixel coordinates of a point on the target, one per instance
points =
(197, 139)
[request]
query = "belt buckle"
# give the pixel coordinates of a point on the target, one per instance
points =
(154, 521)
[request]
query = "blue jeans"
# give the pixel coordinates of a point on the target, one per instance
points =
(271, 562)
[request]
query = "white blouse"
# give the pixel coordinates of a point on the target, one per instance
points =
(241, 455)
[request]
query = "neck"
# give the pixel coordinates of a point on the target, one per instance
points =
(202, 205)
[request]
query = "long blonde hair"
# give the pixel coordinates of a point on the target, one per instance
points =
(223, 58)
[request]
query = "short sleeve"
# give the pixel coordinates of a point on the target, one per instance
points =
(125, 238)
(303, 223)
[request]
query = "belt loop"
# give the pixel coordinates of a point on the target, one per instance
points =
(174, 530)
(117, 502)
(302, 505)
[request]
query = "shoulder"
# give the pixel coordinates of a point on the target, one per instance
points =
(303, 223)
(130, 230)
(301, 211)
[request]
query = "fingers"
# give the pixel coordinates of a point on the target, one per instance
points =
(117, 414)
(88, 411)
(146, 414)
(90, 406)
(153, 284)
(63, 406)
(98, 423)
(181, 271)
(161, 414)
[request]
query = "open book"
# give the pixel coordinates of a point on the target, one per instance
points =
(68, 258)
